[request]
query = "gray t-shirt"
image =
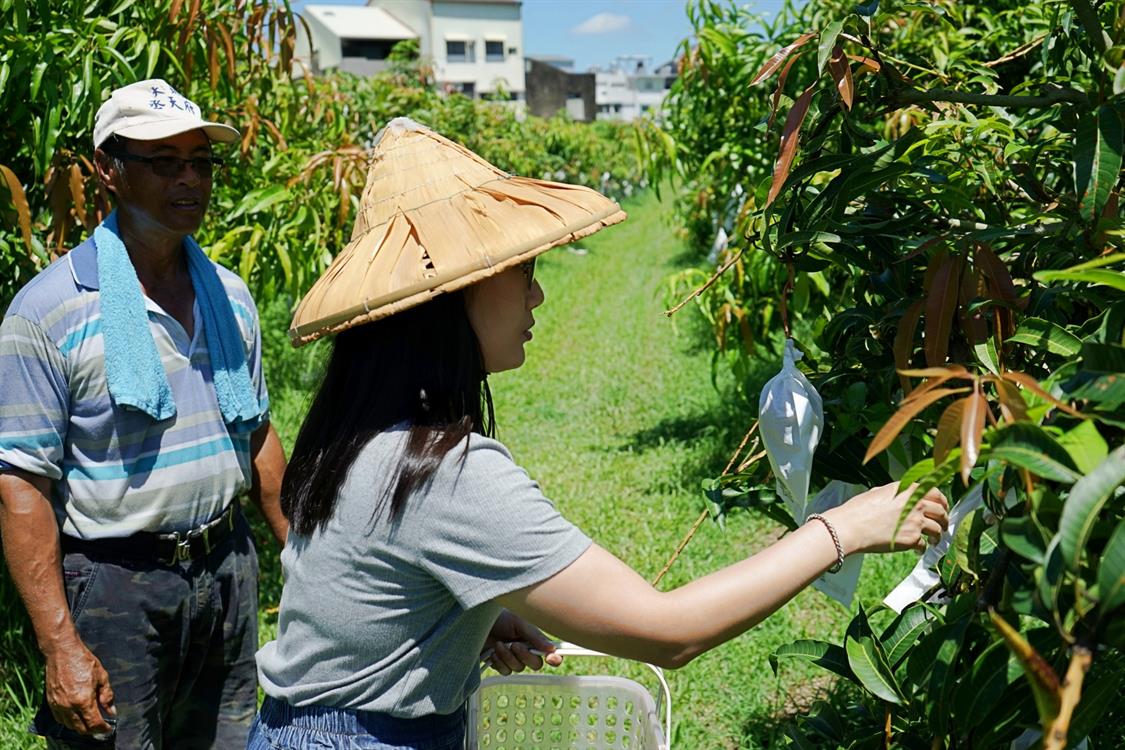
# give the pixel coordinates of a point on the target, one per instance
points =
(391, 617)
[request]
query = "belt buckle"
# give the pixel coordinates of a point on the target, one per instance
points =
(181, 550)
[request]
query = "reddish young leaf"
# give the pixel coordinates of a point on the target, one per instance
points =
(789, 139)
(282, 144)
(932, 383)
(78, 194)
(228, 46)
(935, 372)
(778, 57)
(972, 324)
(19, 201)
(175, 9)
(1012, 405)
(935, 263)
(997, 272)
(941, 305)
(841, 73)
(902, 417)
(972, 427)
(865, 64)
(1030, 383)
(58, 198)
(212, 58)
(777, 92)
(948, 430)
(904, 341)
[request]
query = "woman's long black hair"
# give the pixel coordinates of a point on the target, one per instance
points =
(422, 366)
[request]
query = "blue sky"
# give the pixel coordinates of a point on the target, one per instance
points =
(594, 32)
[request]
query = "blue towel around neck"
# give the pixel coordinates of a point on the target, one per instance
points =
(134, 372)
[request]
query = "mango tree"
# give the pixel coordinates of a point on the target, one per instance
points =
(927, 197)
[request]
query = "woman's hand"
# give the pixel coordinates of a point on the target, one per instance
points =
(508, 646)
(868, 522)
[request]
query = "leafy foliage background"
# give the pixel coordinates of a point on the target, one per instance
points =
(926, 196)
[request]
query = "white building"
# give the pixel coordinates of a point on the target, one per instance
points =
(351, 38)
(629, 89)
(476, 46)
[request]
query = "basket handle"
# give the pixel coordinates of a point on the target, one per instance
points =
(664, 699)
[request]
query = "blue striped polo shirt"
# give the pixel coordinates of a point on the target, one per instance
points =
(115, 470)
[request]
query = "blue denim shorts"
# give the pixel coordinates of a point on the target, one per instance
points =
(280, 726)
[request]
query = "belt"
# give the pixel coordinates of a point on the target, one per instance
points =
(168, 549)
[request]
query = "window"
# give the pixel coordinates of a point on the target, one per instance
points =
(493, 51)
(371, 49)
(468, 88)
(458, 51)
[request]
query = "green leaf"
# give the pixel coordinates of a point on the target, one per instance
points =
(1051, 575)
(904, 631)
(1111, 571)
(1103, 357)
(1040, 676)
(826, 655)
(805, 238)
(870, 667)
(1022, 536)
(827, 42)
(152, 57)
(961, 546)
(1114, 279)
(1029, 447)
(1100, 690)
(259, 200)
(1100, 262)
(37, 78)
(1097, 160)
(987, 355)
(1082, 507)
(867, 9)
(978, 694)
(1043, 333)
(121, 7)
(1085, 445)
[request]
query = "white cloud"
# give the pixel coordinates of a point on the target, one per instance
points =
(603, 23)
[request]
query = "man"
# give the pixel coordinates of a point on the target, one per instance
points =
(133, 416)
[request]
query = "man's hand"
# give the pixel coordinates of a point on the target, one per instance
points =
(78, 690)
(508, 646)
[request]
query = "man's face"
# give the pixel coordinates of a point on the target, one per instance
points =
(167, 196)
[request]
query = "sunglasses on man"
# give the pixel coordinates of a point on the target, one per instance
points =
(171, 166)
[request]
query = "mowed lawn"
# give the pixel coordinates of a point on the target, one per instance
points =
(616, 416)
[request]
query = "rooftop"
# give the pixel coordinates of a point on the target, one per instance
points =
(361, 22)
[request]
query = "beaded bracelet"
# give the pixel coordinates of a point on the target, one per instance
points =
(835, 540)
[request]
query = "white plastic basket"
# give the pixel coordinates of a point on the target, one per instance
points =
(567, 712)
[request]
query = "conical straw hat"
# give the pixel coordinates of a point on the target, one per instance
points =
(435, 217)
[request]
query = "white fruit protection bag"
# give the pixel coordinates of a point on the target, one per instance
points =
(790, 422)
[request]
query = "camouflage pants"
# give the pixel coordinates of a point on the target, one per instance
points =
(178, 642)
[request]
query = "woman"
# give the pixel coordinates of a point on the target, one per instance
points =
(415, 538)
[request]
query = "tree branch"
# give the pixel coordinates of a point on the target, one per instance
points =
(1070, 693)
(1089, 19)
(1050, 97)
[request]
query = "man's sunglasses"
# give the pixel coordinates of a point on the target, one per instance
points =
(528, 268)
(171, 166)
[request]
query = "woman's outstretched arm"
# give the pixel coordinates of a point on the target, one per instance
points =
(601, 603)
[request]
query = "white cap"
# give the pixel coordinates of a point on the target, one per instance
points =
(149, 110)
